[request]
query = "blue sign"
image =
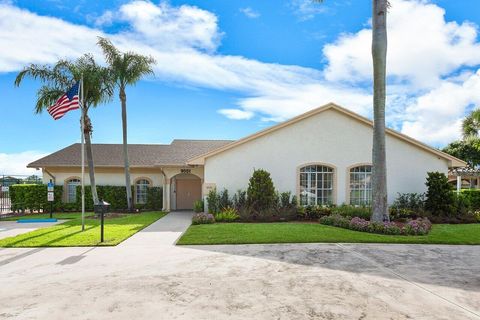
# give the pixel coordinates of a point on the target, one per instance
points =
(50, 187)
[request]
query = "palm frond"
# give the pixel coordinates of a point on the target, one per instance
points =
(47, 96)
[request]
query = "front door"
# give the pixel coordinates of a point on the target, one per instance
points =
(188, 191)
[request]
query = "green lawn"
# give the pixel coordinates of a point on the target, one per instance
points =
(69, 234)
(242, 233)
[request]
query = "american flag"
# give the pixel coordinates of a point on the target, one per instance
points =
(69, 101)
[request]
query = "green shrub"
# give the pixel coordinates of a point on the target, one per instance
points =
(335, 220)
(154, 198)
(239, 199)
(117, 197)
(440, 199)
(198, 206)
(476, 215)
(313, 212)
(227, 215)
(348, 211)
(408, 206)
(203, 218)
(473, 196)
(224, 200)
(261, 192)
(33, 197)
(213, 201)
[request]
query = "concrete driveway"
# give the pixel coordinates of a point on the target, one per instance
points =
(147, 277)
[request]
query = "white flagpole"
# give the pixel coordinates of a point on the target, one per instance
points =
(82, 120)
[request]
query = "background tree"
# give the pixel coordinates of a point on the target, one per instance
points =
(471, 124)
(126, 69)
(59, 78)
(467, 150)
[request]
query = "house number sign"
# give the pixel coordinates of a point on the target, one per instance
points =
(185, 170)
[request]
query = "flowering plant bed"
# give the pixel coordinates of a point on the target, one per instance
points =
(412, 227)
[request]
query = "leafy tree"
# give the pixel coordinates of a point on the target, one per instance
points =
(471, 124)
(58, 78)
(261, 192)
(440, 200)
(126, 68)
(379, 56)
(467, 150)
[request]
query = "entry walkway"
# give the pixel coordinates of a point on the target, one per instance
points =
(164, 231)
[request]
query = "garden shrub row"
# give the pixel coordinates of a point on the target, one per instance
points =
(33, 197)
(117, 197)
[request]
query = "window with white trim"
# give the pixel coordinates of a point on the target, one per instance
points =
(316, 185)
(72, 189)
(141, 188)
(361, 185)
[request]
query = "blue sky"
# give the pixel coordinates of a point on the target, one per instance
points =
(229, 68)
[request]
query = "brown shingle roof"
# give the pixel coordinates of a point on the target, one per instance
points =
(140, 155)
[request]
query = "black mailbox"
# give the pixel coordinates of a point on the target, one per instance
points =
(101, 207)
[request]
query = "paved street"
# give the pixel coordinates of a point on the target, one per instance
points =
(147, 277)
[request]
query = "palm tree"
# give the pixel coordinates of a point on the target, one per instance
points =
(471, 124)
(126, 69)
(60, 77)
(379, 56)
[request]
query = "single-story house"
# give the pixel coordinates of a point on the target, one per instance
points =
(322, 156)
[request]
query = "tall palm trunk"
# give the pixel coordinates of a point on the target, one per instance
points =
(379, 55)
(128, 185)
(88, 143)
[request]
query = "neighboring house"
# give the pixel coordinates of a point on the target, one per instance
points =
(7, 181)
(322, 156)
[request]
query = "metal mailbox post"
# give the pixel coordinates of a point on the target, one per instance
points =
(101, 208)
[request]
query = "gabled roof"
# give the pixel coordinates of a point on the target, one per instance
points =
(453, 162)
(140, 155)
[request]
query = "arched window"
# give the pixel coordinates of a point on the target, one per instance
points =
(141, 187)
(361, 185)
(72, 189)
(316, 185)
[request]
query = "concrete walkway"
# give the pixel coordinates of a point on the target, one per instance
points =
(146, 277)
(165, 231)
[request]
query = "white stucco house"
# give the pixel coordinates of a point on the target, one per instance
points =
(322, 156)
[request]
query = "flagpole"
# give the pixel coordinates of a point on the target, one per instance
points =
(82, 120)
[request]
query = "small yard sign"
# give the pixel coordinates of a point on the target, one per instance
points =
(50, 196)
(50, 187)
(5, 189)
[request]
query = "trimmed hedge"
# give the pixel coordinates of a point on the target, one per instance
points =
(473, 197)
(33, 197)
(117, 197)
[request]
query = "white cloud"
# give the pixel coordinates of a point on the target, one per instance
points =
(250, 13)
(16, 163)
(236, 114)
(424, 99)
(176, 27)
(106, 19)
(307, 9)
(422, 47)
(436, 116)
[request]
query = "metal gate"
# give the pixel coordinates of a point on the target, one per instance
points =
(6, 181)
